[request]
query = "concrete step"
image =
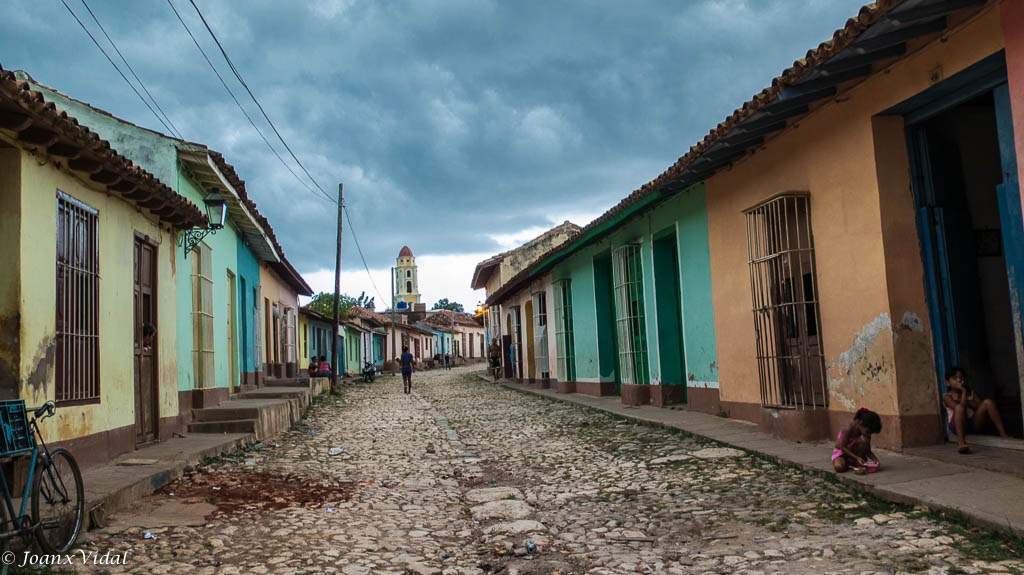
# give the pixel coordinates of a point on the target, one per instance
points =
(225, 412)
(277, 392)
(286, 382)
(224, 426)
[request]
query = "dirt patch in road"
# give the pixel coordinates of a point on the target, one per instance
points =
(235, 492)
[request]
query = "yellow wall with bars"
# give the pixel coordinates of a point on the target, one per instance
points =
(28, 200)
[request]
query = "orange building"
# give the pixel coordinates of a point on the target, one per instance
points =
(878, 186)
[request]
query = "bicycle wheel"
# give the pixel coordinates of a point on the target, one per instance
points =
(58, 502)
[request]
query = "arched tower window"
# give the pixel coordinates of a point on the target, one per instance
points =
(408, 287)
(408, 273)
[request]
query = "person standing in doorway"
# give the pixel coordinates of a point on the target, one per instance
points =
(406, 370)
(494, 353)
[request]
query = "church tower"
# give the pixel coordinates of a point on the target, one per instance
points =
(406, 281)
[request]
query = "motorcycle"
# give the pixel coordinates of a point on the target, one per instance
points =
(369, 371)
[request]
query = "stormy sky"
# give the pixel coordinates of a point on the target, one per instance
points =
(459, 128)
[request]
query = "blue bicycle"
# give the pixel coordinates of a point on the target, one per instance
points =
(53, 485)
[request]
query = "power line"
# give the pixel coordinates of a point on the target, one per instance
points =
(277, 132)
(111, 60)
(360, 250)
(239, 104)
(238, 75)
(176, 131)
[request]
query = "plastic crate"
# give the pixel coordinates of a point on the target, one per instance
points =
(16, 436)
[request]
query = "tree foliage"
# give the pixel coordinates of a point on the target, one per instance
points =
(443, 303)
(323, 304)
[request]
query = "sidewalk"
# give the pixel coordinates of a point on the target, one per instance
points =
(995, 501)
(134, 475)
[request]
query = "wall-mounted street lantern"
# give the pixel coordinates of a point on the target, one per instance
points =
(216, 214)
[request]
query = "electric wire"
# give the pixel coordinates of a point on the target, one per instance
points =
(238, 75)
(111, 60)
(242, 81)
(360, 250)
(175, 129)
(237, 103)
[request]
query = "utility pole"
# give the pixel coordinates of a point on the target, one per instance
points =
(394, 350)
(335, 386)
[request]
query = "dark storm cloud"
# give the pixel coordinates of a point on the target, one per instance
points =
(448, 121)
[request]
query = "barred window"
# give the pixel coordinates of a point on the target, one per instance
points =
(77, 369)
(540, 334)
(257, 326)
(783, 281)
(627, 276)
(203, 369)
(564, 344)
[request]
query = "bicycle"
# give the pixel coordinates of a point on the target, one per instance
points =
(53, 484)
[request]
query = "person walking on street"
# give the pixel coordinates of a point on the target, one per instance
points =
(407, 370)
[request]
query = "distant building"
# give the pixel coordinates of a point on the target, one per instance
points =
(406, 281)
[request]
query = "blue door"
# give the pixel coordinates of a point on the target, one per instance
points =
(964, 170)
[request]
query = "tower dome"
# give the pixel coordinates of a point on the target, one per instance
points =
(405, 253)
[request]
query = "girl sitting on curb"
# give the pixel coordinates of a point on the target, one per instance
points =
(853, 444)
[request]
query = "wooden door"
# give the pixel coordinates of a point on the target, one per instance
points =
(146, 397)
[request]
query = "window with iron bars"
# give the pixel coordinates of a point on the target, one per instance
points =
(627, 277)
(257, 326)
(540, 334)
(564, 344)
(784, 288)
(203, 367)
(77, 368)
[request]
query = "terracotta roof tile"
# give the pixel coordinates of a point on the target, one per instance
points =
(59, 135)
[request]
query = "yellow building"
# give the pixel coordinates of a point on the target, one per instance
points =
(89, 260)
(407, 288)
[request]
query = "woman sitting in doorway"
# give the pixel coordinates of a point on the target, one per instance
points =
(965, 411)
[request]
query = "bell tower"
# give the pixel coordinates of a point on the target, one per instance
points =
(406, 281)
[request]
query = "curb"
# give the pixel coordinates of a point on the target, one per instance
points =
(881, 492)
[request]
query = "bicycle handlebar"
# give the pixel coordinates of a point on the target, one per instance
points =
(47, 409)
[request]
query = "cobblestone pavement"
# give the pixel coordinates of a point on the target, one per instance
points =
(466, 477)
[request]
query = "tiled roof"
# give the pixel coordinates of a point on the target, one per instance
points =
(373, 316)
(38, 125)
(807, 81)
(405, 252)
(444, 318)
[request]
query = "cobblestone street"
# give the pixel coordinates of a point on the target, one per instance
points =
(467, 477)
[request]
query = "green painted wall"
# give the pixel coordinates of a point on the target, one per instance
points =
(686, 215)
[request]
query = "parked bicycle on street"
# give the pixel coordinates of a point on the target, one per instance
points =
(53, 484)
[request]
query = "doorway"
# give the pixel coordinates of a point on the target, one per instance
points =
(668, 300)
(607, 340)
(969, 221)
(146, 392)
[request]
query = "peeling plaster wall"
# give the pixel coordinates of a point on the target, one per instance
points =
(863, 280)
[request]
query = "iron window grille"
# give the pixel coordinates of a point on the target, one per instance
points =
(564, 344)
(289, 336)
(203, 367)
(77, 371)
(540, 334)
(627, 277)
(784, 290)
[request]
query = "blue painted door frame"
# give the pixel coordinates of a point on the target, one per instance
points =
(987, 76)
(1011, 221)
